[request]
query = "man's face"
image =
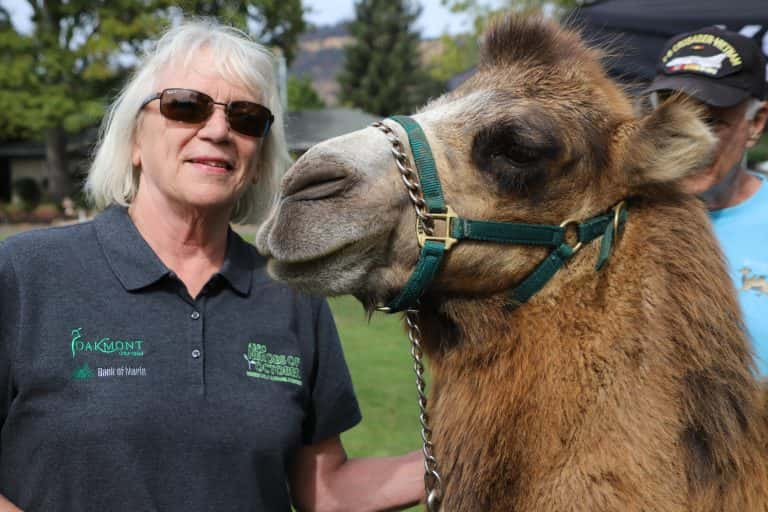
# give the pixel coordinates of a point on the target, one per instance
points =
(735, 135)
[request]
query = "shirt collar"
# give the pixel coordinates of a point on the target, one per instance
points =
(132, 260)
(239, 263)
(137, 266)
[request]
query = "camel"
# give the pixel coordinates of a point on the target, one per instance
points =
(628, 388)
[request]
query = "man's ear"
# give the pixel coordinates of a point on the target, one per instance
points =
(757, 125)
(669, 143)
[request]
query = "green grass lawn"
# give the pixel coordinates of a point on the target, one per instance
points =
(378, 355)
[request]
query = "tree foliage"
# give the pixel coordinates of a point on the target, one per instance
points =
(275, 23)
(459, 53)
(58, 74)
(302, 95)
(382, 70)
(56, 77)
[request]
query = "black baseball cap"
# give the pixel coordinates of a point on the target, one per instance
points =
(719, 67)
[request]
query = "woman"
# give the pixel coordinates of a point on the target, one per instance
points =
(149, 361)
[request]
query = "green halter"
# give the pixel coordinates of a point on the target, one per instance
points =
(433, 248)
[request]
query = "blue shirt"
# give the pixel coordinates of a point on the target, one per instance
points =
(743, 234)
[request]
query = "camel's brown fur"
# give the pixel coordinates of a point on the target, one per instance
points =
(628, 389)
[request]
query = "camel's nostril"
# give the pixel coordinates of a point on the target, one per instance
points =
(317, 183)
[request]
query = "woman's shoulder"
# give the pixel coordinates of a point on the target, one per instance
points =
(45, 242)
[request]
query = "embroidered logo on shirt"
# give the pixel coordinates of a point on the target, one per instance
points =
(750, 281)
(82, 373)
(277, 367)
(126, 348)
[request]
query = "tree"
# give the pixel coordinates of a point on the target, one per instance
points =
(382, 70)
(301, 94)
(57, 78)
(276, 23)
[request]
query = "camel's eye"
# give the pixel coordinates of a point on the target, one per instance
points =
(517, 156)
(514, 157)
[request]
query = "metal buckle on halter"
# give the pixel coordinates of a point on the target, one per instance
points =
(616, 214)
(447, 239)
(575, 224)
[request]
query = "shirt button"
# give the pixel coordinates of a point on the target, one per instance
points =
(195, 315)
(196, 353)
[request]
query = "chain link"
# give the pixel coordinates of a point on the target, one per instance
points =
(433, 484)
(410, 178)
(432, 481)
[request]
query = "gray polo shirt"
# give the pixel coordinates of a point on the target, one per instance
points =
(121, 392)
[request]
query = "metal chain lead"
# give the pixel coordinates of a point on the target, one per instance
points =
(433, 484)
(432, 481)
(410, 178)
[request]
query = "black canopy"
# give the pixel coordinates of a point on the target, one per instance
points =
(635, 30)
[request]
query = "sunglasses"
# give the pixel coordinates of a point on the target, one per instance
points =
(194, 107)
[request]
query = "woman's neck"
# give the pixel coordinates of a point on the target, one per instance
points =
(190, 242)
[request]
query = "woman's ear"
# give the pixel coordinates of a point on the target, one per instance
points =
(668, 144)
(136, 155)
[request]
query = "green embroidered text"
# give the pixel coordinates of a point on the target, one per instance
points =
(276, 367)
(128, 348)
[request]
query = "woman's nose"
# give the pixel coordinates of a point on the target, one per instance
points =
(216, 127)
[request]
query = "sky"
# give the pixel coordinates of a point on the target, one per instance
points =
(434, 20)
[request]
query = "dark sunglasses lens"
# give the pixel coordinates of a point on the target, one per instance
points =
(250, 118)
(185, 106)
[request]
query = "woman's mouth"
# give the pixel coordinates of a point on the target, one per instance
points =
(213, 164)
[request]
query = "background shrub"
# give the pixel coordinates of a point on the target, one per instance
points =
(28, 192)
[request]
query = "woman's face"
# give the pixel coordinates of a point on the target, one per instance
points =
(204, 166)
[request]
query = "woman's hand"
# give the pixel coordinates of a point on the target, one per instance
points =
(323, 479)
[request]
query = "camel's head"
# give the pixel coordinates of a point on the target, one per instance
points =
(538, 135)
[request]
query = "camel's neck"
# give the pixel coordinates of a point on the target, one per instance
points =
(511, 389)
(519, 389)
(570, 379)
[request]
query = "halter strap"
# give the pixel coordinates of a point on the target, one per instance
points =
(425, 164)
(433, 248)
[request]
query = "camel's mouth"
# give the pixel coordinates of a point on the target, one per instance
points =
(326, 181)
(336, 271)
(305, 229)
(300, 259)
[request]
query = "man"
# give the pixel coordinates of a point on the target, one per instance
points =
(725, 72)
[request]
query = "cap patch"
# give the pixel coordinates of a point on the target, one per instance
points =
(706, 54)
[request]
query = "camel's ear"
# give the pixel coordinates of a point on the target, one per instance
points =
(668, 144)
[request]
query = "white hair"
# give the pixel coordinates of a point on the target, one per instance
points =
(112, 178)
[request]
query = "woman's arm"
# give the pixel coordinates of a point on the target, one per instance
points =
(323, 479)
